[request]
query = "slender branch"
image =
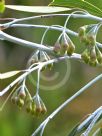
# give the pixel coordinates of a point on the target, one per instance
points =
(88, 16)
(67, 102)
(13, 39)
(41, 64)
(50, 28)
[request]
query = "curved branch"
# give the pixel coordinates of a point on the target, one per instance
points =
(67, 102)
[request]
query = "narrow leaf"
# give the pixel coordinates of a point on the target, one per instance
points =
(2, 6)
(8, 74)
(37, 9)
(82, 4)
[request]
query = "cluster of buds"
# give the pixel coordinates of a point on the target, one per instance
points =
(34, 105)
(39, 56)
(64, 45)
(87, 34)
(19, 96)
(91, 55)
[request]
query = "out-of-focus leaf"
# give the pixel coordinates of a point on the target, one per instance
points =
(8, 74)
(73, 131)
(98, 132)
(37, 9)
(82, 4)
(2, 6)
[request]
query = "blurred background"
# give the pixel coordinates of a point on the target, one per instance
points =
(15, 122)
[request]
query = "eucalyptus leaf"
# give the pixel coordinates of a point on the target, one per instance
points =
(9, 74)
(37, 9)
(82, 4)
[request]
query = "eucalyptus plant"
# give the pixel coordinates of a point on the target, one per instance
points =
(63, 49)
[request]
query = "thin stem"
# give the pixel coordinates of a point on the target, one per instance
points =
(28, 71)
(38, 82)
(47, 31)
(13, 39)
(66, 22)
(89, 16)
(86, 133)
(89, 119)
(68, 101)
(42, 26)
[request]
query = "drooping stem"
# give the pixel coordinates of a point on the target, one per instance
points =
(68, 101)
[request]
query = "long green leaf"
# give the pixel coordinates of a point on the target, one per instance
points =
(82, 4)
(37, 9)
(2, 6)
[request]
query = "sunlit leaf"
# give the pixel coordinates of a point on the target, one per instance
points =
(82, 4)
(8, 74)
(2, 6)
(37, 9)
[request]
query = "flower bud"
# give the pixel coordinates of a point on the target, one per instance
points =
(82, 31)
(22, 93)
(85, 56)
(33, 108)
(57, 48)
(91, 38)
(44, 109)
(20, 102)
(71, 48)
(29, 107)
(64, 44)
(93, 54)
(93, 63)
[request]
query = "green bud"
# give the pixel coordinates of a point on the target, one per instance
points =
(93, 63)
(44, 109)
(82, 31)
(91, 38)
(93, 54)
(64, 43)
(57, 48)
(22, 94)
(20, 102)
(85, 56)
(33, 108)
(29, 107)
(71, 48)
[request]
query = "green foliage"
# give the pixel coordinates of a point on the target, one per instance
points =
(2, 6)
(93, 9)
